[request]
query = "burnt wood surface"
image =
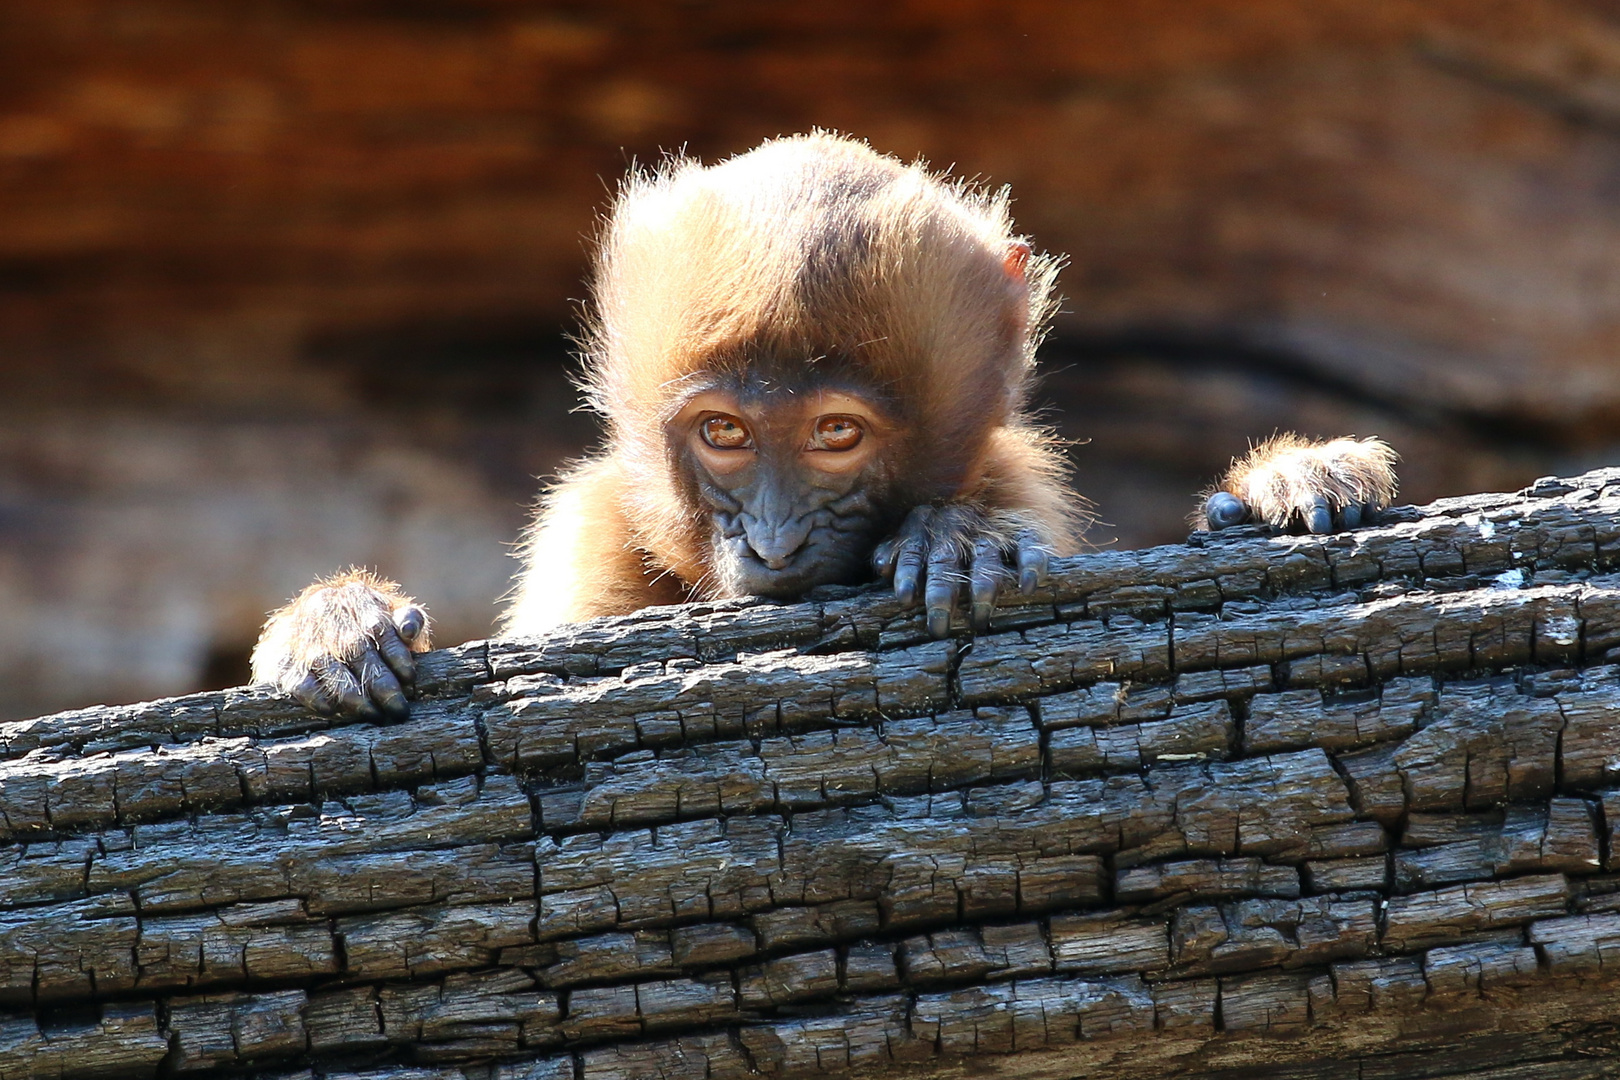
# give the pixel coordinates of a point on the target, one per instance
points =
(1248, 806)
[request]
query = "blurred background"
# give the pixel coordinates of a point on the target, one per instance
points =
(284, 285)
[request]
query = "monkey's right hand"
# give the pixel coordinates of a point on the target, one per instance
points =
(1299, 485)
(344, 647)
(938, 549)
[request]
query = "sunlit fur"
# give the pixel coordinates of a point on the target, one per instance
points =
(335, 617)
(1281, 479)
(811, 253)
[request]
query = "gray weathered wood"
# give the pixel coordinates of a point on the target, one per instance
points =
(1319, 806)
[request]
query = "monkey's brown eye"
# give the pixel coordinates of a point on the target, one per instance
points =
(837, 433)
(726, 433)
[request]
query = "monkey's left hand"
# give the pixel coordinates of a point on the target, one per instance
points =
(1298, 485)
(938, 549)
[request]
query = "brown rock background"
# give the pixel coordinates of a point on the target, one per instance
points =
(283, 285)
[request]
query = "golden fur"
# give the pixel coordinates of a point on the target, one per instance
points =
(807, 247)
(1281, 479)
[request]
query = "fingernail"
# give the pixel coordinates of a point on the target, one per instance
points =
(981, 616)
(939, 621)
(1321, 519)
(1223, 510)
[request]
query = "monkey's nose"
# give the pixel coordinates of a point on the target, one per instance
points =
(776, 547)
(778, 553)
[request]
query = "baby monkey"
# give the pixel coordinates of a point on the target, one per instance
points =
(814, 366)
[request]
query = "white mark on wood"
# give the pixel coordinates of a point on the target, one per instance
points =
(1561, 629)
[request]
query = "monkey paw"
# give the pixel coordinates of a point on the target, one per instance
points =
(938, 549)
(1298, 485)
(344, 647)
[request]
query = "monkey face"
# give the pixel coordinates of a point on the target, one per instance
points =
(792, 479)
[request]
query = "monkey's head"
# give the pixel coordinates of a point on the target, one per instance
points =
(796, 347)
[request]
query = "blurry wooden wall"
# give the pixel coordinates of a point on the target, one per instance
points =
(283, 284)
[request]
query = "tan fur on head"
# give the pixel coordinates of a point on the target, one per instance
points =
(1281, 479)
(809, 250)
(804, 250)
(803, 245)
(335, 617)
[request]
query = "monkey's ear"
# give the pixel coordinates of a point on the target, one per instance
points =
(1016, 258)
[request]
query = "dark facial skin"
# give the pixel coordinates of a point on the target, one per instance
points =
(794, 483)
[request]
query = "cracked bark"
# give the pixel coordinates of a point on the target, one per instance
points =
(1311, 805)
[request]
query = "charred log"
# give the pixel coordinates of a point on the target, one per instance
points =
(1252, 805)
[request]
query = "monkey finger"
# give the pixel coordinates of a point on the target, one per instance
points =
(939, 593)
(340, 682)
(908, 566)
(380, 631)
(409, 622)
(883, 557)
(1350, 516)
(309, 692)
(397, 655)
(381, 685)
(1223, 510)
(1034, 562)
(1319, 518)
(989, 570)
